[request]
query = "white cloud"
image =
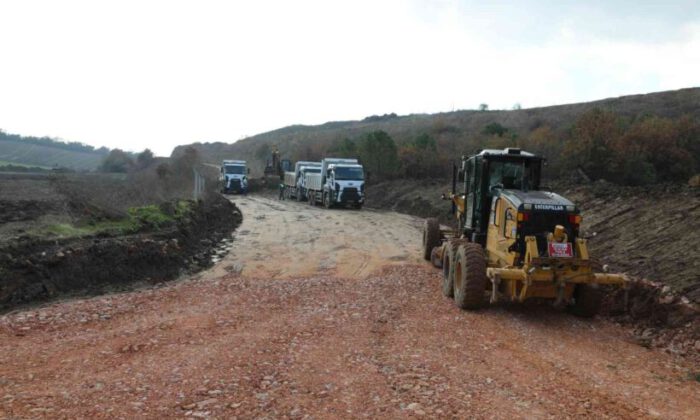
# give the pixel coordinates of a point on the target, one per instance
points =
(136, 74)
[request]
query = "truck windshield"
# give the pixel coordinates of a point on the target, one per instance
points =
(235, 169)
(346, 174)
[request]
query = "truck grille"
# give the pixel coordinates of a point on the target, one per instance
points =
(235, 184)
(350, 195)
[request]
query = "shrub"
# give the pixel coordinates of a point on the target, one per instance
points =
(150, 216)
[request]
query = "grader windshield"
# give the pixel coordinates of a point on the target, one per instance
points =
(514, 175)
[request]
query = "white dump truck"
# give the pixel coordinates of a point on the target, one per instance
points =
(295, 181)
(341, 182)
(234, 177)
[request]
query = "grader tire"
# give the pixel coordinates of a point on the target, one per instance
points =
(431, 236)
(448, 267)
(470, 276)
(448, 279)
(587, 300)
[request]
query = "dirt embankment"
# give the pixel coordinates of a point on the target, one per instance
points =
(645, 232)
(38, 269)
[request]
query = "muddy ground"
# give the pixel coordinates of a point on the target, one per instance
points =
(297, 322)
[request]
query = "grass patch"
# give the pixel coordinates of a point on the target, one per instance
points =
(183, 208)
(139, 219)
(65, 230)
(150, 216)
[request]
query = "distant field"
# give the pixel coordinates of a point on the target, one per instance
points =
(8, 163)
(27, 154)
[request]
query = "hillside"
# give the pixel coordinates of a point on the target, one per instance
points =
(455, 133)
(48, 153)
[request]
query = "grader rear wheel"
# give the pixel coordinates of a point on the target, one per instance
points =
(431, 236)
(470, 276)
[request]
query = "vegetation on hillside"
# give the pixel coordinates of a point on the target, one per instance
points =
(51, 142)
(630, 140)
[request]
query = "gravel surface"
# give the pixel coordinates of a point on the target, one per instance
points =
(279, 330)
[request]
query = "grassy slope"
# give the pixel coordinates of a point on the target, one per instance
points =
(27, 154)
(453, 130)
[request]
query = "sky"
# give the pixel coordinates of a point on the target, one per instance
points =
(160, 73)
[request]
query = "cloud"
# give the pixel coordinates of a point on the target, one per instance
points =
(160, 73)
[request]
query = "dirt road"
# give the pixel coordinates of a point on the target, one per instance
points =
(326, 314)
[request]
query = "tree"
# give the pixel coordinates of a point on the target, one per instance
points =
(378, 153)
(517, 106)
(592, 143)
(145, 158)
(263, 152)
(425, 143)
(483, 107)
(345, 149)
(116, 161)
(494, 129)
(163, 170)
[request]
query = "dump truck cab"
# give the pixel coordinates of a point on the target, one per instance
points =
(234, 176)
(512, 239)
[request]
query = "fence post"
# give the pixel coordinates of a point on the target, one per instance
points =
(198, 185)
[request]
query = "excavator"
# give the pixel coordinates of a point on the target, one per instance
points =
(275, 168)
(513, 241)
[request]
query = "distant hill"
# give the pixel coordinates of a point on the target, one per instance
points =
(454, 131)
(45, 152)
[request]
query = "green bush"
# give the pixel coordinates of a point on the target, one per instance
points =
(150, 216)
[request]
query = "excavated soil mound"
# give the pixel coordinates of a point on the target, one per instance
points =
(33, 270)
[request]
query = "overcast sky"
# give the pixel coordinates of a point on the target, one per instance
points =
(147, 73)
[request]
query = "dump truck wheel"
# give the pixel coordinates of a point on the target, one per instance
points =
(587, 300)
(431, 236)
(469, 276)
(448, 279)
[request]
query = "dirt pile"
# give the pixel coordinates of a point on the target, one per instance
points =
(37, 269)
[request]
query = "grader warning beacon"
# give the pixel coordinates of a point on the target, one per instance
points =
(512, 239)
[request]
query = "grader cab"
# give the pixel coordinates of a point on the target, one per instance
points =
(513, 241)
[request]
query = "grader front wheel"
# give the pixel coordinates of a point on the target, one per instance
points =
(449, 254)
(431, 236)
(470, 276)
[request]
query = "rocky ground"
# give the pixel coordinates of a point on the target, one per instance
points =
(290, 325)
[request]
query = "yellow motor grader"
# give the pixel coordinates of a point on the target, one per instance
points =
(513, 241)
